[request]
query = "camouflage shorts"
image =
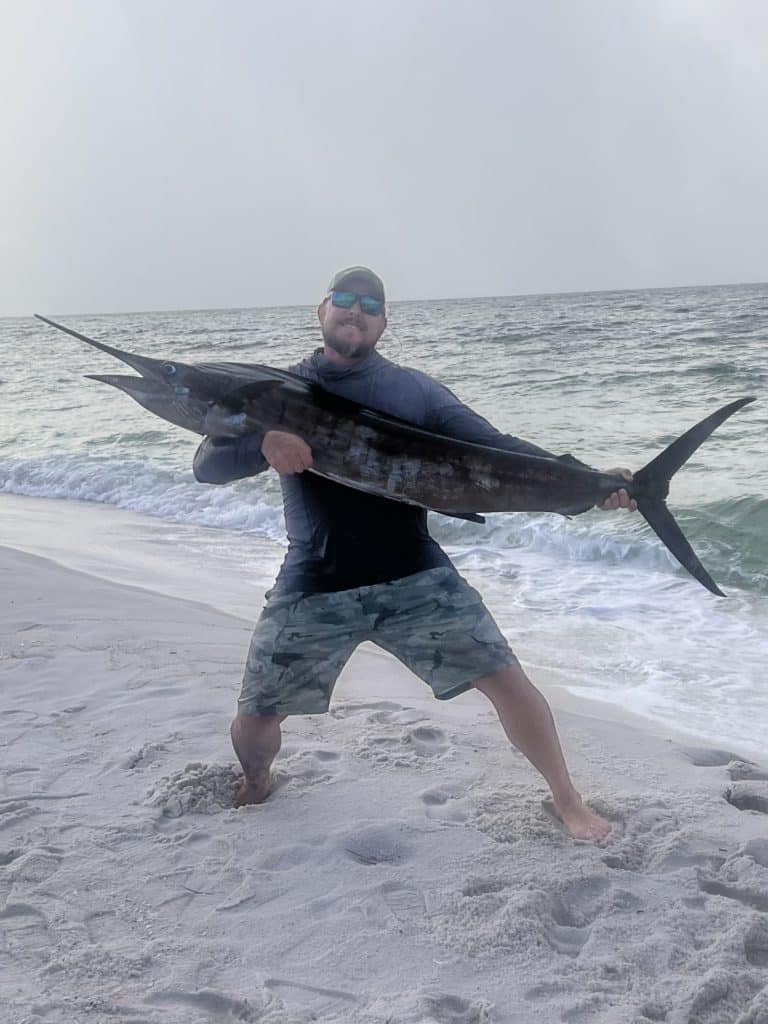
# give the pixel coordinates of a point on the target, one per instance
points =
(433, 621)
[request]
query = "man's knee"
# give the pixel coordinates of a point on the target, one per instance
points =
(256, 723)
(509, 677)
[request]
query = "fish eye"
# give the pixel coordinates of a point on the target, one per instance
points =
(168, 369)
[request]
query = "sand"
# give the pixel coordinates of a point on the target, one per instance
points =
(404, 870)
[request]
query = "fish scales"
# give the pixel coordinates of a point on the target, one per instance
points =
(425, 469)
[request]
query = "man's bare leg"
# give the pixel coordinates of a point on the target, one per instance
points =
(528, 722)
(256, 739)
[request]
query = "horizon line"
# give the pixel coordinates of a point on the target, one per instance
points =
(403, 302)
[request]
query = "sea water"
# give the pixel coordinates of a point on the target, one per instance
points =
(594, 603)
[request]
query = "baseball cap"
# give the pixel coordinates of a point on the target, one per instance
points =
(375, 283)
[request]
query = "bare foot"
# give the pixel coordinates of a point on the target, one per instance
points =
(579, 820)
(253, 792)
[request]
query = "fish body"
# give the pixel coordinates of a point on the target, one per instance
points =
(384, 455)
(387, 456)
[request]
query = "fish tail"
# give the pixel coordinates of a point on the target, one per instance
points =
(651, 487)
(663, 524)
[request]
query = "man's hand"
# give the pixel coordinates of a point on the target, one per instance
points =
(620, 498)
(286, 453)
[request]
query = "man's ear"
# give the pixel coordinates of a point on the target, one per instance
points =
(321, 310)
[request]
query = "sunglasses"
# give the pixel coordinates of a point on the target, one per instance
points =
(368, 303)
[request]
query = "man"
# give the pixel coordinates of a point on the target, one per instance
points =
(362, 567)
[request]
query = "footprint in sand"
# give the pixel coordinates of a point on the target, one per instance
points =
(446, 803)
(405, 716)
(742, 878)
(757, 849)
(755, 898)
(24, 928)
(443, 1008)
(720, 996)
(710, 757)
(748, 796)
(492, 914)
(745, 771)
(217, 1006)
(13, 811)
(584, 899)
(402, 748)
(426, 740)
(313, 1001)
(377, 844)
(646, 829)
(405, 902)
(483, 886)
(349, 709)
(682, 852)
(756, 943)
(564, 938)
(326, 755)
(573, 911)
(284, 858)
(23, 912)
(306, 768)
(35, 865)
(740, 769)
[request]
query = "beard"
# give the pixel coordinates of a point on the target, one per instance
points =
(346, 348)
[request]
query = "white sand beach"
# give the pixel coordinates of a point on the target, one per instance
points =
(402, 872)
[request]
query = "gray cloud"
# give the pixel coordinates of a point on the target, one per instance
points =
(197, 154)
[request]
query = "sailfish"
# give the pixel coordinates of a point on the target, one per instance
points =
(390, 457)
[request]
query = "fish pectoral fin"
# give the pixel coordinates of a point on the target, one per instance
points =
(471, 517)
(575, 510)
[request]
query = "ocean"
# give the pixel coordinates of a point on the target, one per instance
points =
(594, 604)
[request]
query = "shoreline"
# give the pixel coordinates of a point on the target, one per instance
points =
(166, 558)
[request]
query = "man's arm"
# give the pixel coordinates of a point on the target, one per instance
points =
(454, 419)
(459, 421)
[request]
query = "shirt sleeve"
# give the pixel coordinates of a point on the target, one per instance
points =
(452, 418)
(220, 460)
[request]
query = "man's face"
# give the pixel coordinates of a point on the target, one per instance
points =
(350, 332)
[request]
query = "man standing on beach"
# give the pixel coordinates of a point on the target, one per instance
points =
(363, 567)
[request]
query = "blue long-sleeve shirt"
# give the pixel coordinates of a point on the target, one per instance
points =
(339, 537)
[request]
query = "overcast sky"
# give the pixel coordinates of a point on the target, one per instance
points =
(166, 154)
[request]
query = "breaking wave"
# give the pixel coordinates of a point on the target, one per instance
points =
(142, 486)
(729, 536)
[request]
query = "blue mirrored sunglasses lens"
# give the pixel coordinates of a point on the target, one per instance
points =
(370, 305)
